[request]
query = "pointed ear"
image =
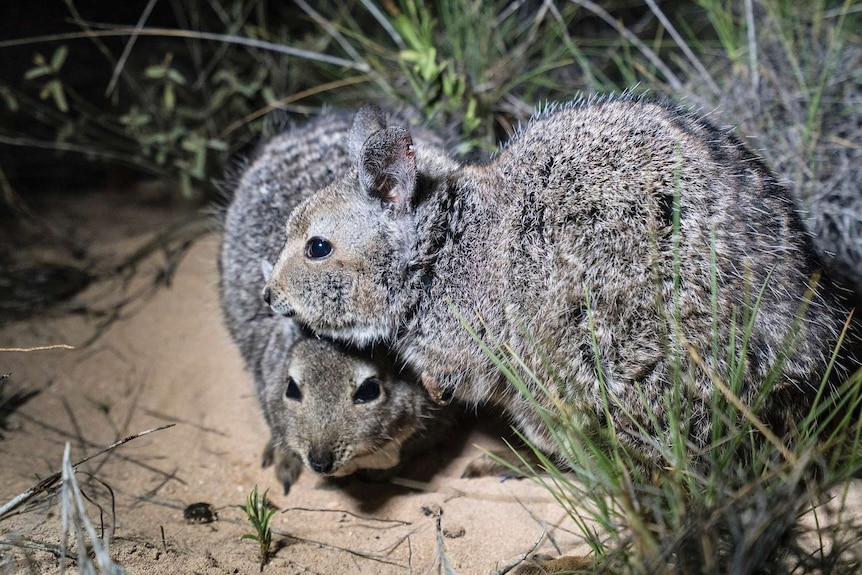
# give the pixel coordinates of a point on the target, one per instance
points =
(387, 166)
(266, 268)
(369, 119)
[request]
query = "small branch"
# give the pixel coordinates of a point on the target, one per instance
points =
(54, 477)
(523, 557)
(738, 404)
(680, 41)
(128, 48)
(675, 82)
(194, 34)
(38, 348)
(752, 50)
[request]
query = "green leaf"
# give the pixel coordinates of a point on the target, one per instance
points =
(59, 57)
(37, 72)
(176, 77)
(219, 145)
(154, 72)
(59, 95)
(9, 98)
(169, 99)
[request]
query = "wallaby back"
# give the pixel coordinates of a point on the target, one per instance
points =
(608, 245)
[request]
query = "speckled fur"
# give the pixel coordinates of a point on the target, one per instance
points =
(284, 171)
(562, 248)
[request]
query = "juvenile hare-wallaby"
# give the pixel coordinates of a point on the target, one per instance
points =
(605, 245)
(336, 409)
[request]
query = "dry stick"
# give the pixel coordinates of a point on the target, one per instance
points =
(523, 557)
(77, 148)
(54, 477)
(322, 545)
(675, 82)
(34, 546)
(333, 33)
(38, 348)
(738, 404)
(680, 41)
(293, 98)
(63, 433)
(195, 35)
(87, 29)
(441, 552)
(396, 522)
(128, 48)
(384, 23)
(453, 492)
(752, 50)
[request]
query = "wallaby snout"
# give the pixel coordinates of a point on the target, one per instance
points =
(277, 301)
(321, 461)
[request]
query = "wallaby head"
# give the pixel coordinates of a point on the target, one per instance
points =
(346, 258)
(339, 410)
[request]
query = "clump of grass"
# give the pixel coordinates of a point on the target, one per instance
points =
(789, 76)
(732, 507)
(259, 513)
(76, 523)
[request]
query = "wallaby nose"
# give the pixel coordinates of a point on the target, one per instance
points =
(321, 462)
(278, 304)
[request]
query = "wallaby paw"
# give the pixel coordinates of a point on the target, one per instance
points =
(438, 394)
(490, 465)
(545, 566)
(288, 465)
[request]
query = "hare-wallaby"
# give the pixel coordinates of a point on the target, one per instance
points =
(334, 408)
(343, 411)
(609, 244)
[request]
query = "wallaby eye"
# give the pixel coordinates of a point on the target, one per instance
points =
(318, 248)
(292, 391)
(368, 390)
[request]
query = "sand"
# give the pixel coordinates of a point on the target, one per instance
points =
(169, 359)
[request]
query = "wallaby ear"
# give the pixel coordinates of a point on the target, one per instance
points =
(387, 166)
(266, 268)
(368, 120)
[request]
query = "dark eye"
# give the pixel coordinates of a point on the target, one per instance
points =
(292, 391)
(318, 248)
(368, 390)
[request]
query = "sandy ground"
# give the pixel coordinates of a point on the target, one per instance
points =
(170, 360)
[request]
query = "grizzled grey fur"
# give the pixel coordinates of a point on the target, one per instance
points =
(563, 249)
(328, 426)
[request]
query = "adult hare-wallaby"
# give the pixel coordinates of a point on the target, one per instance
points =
(331, 407)
(564, 249)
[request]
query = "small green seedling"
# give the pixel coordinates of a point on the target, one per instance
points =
(259, 515)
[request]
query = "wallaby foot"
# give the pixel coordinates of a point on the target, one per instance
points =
(288, 465)
(542, 565)
(438, 394)
(502, 463)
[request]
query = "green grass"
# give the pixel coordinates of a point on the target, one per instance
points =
(259, 514)
(733, 507)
